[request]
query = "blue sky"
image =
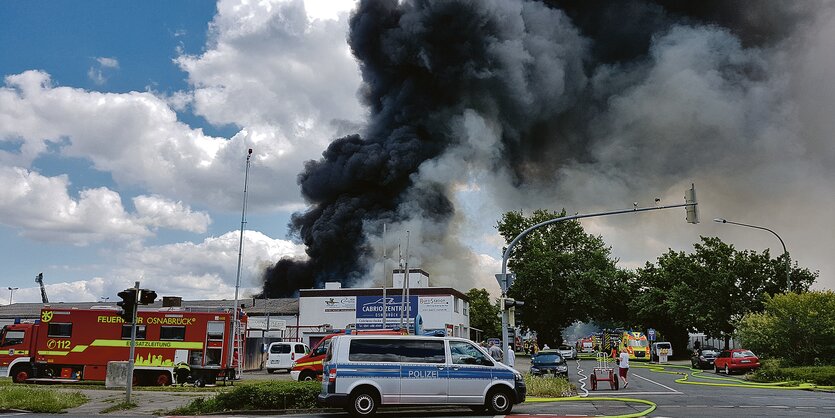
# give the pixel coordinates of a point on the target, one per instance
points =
(124, 49)
(124, 128)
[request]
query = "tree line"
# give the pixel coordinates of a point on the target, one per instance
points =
(565, 275)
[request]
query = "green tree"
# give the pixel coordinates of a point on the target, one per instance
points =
(484, 314)
(711, 289)
(800, 328)
(562, 273)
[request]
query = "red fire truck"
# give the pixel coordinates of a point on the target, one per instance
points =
(69, 344)
(310, 367)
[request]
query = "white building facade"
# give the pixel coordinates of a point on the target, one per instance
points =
(433, 308)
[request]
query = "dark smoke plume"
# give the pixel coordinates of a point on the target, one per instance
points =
(539, 77)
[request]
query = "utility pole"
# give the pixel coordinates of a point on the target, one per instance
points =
(385, 313)
(236, 331)
(129, 385)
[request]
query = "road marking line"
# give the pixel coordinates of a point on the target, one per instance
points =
(607, 394)
(659, 384)
(777, 406)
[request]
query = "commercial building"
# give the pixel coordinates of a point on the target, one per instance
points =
(432, 308)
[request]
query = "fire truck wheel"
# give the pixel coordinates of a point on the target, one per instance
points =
(199, 383)
(21, 373)
(163, 379)
(136, 379)
(271, 371)
(307, 377)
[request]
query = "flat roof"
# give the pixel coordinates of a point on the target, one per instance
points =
(374, 291)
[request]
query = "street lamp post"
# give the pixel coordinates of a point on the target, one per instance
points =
(11, 292)
(692, 217)
(785, 252)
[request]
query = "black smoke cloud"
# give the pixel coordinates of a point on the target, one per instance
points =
(541, 75)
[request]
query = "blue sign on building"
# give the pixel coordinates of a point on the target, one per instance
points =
(370, 311)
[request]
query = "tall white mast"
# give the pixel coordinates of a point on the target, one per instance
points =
(235, 324)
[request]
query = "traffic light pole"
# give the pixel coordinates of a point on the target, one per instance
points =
(692, 217)
(129, 384)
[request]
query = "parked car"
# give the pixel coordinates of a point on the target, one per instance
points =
(283, 355)
(568, 352)
(704, 357)
(738, 359)
(549, 362)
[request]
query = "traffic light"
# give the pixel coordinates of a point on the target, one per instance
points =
(128, 304)
(510, 306)
(147, 297)
(692, 208)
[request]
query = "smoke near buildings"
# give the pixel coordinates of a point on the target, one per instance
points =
(575, 104)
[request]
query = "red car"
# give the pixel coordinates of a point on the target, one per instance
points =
(738, 359)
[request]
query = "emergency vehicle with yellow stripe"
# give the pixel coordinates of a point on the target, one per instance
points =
(70, 344)
(310, 367)
(636, 345)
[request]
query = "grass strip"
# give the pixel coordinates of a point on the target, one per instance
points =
(39, 400)
(275, 395)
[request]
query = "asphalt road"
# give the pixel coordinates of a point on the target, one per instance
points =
(672, 399)
(675, 400)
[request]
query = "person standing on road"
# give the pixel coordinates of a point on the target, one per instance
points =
(511, 356)
(623, 367)
(495, 352)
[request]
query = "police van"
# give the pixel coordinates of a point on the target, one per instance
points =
(362, 372)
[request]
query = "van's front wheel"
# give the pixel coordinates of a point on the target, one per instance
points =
(499, 402)
(363, 404)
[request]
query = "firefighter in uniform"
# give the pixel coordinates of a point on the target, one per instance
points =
(182, 370)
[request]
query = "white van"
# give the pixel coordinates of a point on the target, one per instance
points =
(362, 372)
(283, 355)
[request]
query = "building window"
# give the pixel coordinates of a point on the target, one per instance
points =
(59, 330)
(466, 307)
(172, 333)
(455, 304)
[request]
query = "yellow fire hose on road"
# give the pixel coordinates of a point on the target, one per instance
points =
(657, 368)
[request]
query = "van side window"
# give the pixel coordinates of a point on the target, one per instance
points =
(382, 350)
(300, 349)
(418, 351)
(466, 353)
